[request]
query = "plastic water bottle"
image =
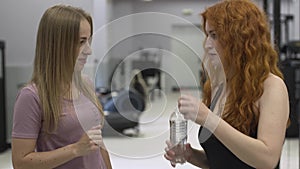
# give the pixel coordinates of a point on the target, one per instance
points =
(178, 135)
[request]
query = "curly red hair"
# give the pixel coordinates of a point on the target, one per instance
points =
(243, 31)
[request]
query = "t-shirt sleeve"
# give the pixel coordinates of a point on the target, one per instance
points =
(27, 118)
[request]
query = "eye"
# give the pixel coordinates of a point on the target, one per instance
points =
(214, 36)
(82, 42)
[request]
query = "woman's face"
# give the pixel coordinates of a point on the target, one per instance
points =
(214, 60)
(212, 44)
(85, 44)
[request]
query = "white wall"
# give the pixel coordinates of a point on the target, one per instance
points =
(19, 22)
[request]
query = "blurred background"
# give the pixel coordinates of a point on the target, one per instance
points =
(164, 45)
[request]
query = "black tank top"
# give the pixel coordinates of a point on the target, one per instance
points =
(218, 156)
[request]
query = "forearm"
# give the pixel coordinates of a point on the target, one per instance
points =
(106, 158)
(45, 160)
(199, 159)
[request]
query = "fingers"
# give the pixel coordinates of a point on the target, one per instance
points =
(95, 135)
(173, 164)
(185, 101)
(170, 154)
(169, 144)
(185, 97)
(97, 127)
(94, 132)
(95, 138)
(188, 104)
(168, 149)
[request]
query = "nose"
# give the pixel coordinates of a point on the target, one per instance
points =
(208, 43)
(87, 49)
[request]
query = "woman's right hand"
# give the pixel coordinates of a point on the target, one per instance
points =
(89, 142)
(170, 154)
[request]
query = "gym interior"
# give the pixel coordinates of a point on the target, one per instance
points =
(128, 54)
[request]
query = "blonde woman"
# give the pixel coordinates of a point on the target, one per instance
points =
(46, 130)
(251, 130)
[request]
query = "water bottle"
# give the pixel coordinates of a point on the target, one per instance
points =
(178, 135)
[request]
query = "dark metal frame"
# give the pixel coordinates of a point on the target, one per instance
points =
(277, 23)
(266, 6)
(3, 142)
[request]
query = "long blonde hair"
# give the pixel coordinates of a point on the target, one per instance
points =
(57, 49)
(243, 31)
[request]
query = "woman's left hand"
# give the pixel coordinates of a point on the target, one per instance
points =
(193, 109)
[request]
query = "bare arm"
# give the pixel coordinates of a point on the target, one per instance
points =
(263, 152)
(25, 157)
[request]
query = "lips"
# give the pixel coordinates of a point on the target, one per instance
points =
(212, 54)
(82, 61)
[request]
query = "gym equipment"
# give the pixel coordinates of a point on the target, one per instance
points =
(291, 72)
(122, 111)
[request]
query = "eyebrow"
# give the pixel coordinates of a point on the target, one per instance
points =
(85, 38)
(211, 31)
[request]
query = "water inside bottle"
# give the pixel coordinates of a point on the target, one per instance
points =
(178, 137)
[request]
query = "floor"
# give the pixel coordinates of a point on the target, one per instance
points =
(147, 148)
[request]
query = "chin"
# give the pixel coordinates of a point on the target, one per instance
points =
(79, 67)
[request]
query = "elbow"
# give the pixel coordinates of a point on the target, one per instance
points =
(273, 164)
(20, 164)
(270, 158)
(268, 166)
(16, 164)
(274, 159)
(17, 167)
(270, 163)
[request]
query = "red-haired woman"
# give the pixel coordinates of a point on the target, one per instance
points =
(250, 132)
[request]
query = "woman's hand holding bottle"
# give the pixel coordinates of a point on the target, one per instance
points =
(171, 155)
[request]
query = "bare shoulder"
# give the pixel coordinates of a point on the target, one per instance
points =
(274, 88)
(274, 82)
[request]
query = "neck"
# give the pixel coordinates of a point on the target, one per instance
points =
(71, 92)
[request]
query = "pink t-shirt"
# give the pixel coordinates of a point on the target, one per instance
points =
(77, 116)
